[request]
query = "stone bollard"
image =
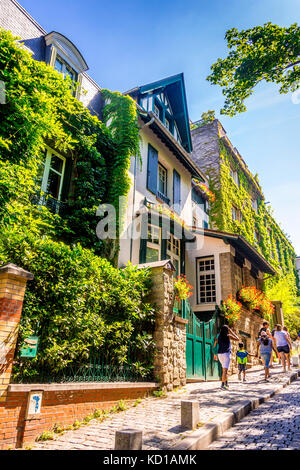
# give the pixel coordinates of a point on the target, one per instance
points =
(190, 415)
(128, 439)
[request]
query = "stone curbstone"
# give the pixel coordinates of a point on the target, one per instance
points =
(201, 439)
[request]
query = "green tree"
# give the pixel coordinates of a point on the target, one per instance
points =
(269, 53)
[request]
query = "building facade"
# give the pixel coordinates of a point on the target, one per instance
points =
(240, 205)
(217, 242)
(164, 201)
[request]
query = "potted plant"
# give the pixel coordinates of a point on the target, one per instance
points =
(231, 309)
(255, 299)
(182, 290)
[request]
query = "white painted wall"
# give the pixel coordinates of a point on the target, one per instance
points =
(204, 246)
(139, 191)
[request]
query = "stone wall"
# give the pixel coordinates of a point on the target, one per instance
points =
(247, 329)
(248, 326)
(206, 151)
(170, 330)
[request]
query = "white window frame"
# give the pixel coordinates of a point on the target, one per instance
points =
(208, 272)
(154, 246)
(234, 175)
(254, 204)
(172, 242)
(162, 170)
(65, 66)
(47, 168)
(235, 213)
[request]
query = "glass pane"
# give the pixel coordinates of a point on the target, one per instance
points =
(176, 266)
(53, 184)
(58, 65)
(70, 72)
(153, 234)
(56, 164)
(151, 255)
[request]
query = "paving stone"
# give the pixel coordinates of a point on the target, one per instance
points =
(280, 412)
(160, 418)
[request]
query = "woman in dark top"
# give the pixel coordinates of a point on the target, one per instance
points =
(224, 351)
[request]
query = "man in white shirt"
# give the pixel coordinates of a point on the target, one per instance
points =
(283, 346)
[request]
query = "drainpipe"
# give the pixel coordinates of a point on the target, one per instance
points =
(134, 186)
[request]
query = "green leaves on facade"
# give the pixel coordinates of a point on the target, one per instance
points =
(78, 302)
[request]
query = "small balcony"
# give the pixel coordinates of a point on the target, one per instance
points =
(163, 197)
(44, 199)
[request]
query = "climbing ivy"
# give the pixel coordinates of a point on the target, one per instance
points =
(271, 242)
(40, 109)
(78, 301)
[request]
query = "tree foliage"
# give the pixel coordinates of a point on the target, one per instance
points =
(268, 53)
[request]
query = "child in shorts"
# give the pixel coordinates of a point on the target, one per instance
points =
(242, 359)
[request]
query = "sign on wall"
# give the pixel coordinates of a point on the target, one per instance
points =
(34, 403)
(30, 346)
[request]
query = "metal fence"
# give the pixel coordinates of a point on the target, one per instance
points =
(98, 368)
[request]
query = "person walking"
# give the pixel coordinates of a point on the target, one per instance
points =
(289, 340)
(264, 328)
(283, 346)
(224, 351)
(265, 347)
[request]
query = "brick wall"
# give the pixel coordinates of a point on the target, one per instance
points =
(60, 405)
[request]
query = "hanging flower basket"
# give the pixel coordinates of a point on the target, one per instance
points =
(205, 190)
(182, 289)
(254, 299)
(231, 309)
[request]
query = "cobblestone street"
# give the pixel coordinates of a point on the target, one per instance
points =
(273, 425)
(159, 418)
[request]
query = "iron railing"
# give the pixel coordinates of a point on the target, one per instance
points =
(44, 199)
(98, 368)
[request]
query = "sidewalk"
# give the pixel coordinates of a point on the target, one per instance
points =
(159, 418)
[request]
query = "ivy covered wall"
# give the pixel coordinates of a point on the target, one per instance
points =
(78, 301)
(235, 187)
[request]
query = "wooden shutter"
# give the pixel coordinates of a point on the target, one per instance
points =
(176, 191)
(152, 169)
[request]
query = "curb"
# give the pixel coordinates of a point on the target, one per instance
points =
(202, 438)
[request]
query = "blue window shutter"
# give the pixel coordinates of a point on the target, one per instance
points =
(176, 190)
(152, 169)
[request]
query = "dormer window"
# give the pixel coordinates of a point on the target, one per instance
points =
(64, 56)
(62, 67)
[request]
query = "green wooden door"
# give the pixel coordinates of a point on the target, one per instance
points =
(200, 337)
(194, 345)
(212, 371)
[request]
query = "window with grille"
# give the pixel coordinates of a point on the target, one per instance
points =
(162, 180)
(153, 244)
(206, 280)
(173, 252)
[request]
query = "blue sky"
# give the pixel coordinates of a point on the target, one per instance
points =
(135, 42)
